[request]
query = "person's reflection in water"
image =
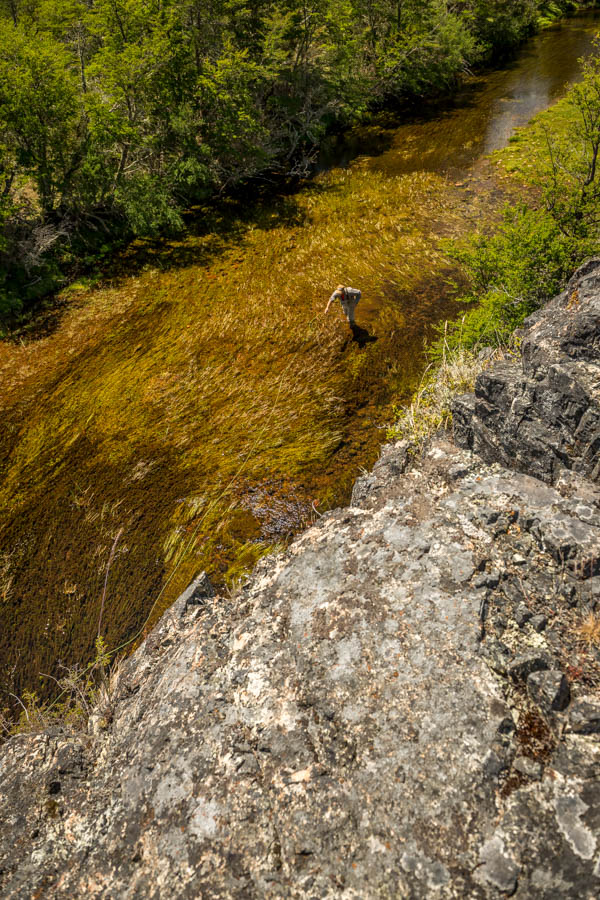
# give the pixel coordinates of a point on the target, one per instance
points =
(361, 336)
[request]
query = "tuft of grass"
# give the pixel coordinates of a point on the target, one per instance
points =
(245, 561)
(83, 692)
(588, 630)
(431, 406)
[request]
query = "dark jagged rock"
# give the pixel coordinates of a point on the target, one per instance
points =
(523, 615)
(539, 622)
(585, 716)
(366, 718)
(549, 690)
(541, 414)
(524, 665)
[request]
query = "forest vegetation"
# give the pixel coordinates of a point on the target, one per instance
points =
(118, 115)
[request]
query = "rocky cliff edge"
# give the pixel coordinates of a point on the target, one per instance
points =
(404, 704)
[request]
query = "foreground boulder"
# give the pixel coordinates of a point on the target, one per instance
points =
(373, 716)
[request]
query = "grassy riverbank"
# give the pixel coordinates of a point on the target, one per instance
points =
(518, 265)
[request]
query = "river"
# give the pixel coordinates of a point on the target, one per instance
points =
(194, 405)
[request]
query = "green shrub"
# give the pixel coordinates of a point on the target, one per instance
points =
(511, 273)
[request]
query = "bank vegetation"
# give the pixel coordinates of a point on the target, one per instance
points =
(515, 268)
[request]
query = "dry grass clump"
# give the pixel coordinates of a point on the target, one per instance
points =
(83, 693)
(431, 406)
(588, 630)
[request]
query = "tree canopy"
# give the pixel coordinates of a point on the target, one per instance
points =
(122, 113)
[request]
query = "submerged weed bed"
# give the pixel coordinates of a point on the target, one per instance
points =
(205, 405)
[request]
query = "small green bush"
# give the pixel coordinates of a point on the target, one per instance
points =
(82, 692)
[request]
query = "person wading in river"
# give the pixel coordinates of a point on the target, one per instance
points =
(348, 298)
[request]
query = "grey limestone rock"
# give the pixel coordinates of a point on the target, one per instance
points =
(584, 716)
(522, 614)
(498, 869)
(549, 690)
(528, 767)
(539, 622)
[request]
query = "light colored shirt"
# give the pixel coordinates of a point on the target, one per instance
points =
(351, 294)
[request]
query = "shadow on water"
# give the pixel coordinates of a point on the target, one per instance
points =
(361, 336)
(210, 233)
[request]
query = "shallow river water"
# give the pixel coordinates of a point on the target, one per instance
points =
(195, 405)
